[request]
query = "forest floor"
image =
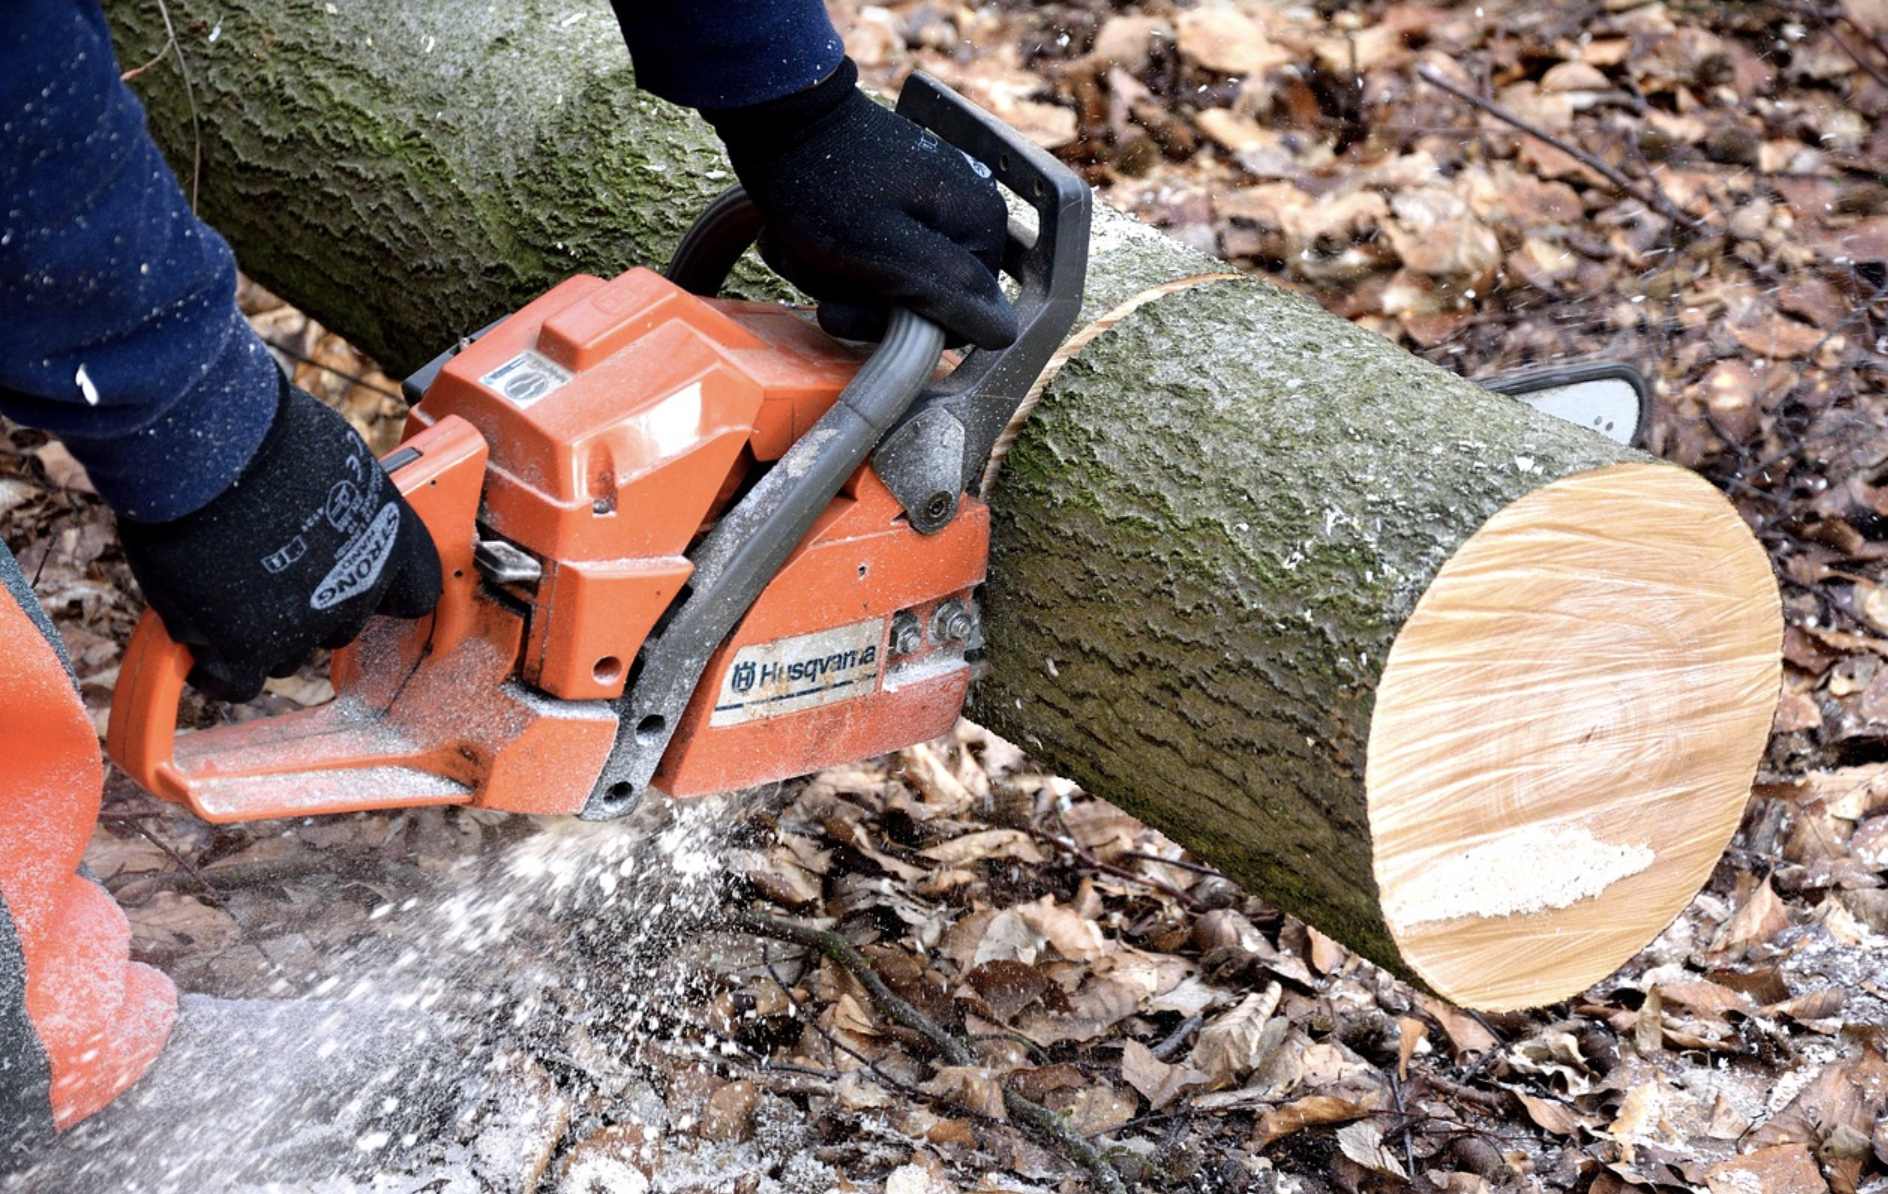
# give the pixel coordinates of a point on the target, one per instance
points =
(1694, 188)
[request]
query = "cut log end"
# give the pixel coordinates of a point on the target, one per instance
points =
(1566, 731)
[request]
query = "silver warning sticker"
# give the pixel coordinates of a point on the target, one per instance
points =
(789, 675)
(526, 378)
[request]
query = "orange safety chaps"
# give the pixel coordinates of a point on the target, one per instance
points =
(79, 1021)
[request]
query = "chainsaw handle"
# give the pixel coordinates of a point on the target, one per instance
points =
(714, 242)
(939, 448)
(439, 473)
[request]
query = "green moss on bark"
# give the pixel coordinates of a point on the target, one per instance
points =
(410, 172)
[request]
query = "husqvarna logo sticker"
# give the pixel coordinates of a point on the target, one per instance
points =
(806, 671)
(743, 676)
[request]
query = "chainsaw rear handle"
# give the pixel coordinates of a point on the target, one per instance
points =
(141, 737)
(940, 446)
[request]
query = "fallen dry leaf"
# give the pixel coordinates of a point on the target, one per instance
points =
(1847, 1093)
(986, 843)
(1761, 917)
(1467, 1035)
(1159, 1082)
(1065, 930)
(1098, 1109)
(1552, 1114)
(1230, 1046)
(1310, 1112)
(1411, 1034)
(1363, 1143)
(1007, 986)
(1224, 39)
(1779, 1169)
(973, 1088)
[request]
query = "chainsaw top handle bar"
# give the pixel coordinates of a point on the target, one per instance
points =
(941, 444)
(946, 431)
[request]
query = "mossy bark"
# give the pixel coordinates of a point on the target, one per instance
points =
(1221, 513)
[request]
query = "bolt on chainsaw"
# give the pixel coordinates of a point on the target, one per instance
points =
(688, 544)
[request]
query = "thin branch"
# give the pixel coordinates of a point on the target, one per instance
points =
(1828, 20)
(1868, 68)
(1179, 863)
(838, 1045)
(190, 868)
(847, 956)
(1409, 1147)
(1654, 199)
(173, 46)
(1802, 442)
(1165, 1050)
(352, 379)
(1107, 868)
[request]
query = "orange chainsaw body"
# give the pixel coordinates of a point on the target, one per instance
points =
(592, 438)
(686, 544)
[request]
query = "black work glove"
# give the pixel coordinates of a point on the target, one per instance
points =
(309, 542)
(864, 208)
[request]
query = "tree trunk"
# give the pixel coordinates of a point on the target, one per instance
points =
(1477, 693)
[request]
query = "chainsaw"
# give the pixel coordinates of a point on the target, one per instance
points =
(687, 544)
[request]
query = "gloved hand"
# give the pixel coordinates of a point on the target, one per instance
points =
(309, 541)
(863, 208)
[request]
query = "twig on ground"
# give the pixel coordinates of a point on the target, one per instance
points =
(843, 952)
(1840, 429)
(1178, 1037)
(1828, 20)
(1409, 1148)
(1107, 868)
(891, 1080)
(1179, 863)
(1024, 1111)
(352, 379)
(190, 868)
(1655, 199)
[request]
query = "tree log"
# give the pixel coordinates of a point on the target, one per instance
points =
(1477, 693)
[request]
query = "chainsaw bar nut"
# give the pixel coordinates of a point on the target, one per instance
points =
(952, 623)
(907, 636)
